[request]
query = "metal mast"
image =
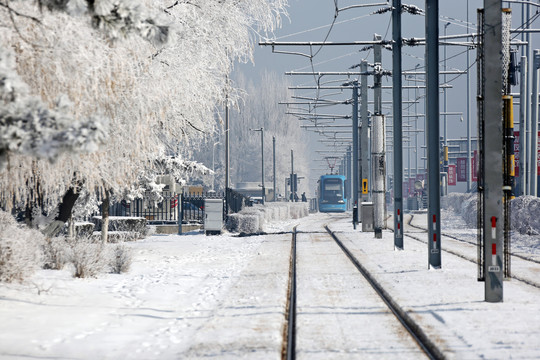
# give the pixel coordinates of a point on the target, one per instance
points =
(432, 124)
(397, 120)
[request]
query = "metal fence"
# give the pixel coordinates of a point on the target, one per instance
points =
(189, 207)
(155, 212)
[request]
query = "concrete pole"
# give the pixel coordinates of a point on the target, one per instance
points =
(528, 100)
(492, 155)
(377, 82)
(227, 183)
(377, 91)
(356, 187)
(469, 147)
(262, 165)
(292, 173)
(432, 124)
(274, 165)
(397, 122)
(379, 174)
(523, 183)
(534, 124)
(364, 136)
(417, 148)
(348, 174)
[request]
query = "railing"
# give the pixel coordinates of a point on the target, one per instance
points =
(155, 212)
(189, 207)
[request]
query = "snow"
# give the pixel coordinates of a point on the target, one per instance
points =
(195, 296)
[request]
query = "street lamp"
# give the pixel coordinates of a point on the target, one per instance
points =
(262, 161)
(213, 165)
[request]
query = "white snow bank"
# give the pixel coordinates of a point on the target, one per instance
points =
(524, 211)
(255, 218)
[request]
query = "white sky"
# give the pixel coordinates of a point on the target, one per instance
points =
(357, 24)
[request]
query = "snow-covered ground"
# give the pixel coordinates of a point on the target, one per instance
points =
(197, 296)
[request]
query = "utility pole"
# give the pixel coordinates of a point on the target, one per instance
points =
(397, 120)
(523, 183)
(292, 175)
(262, 163)
(364, 136)
(492, 162)
(356, 188)
(274, 165)
(378, 161)
(227, 183)
(534, 124)
(468, 167)
(432, 125)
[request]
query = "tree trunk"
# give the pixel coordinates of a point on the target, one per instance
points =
(64, 213)
(71, 228)
(105, 218)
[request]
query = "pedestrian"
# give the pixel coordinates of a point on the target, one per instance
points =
(304, 198)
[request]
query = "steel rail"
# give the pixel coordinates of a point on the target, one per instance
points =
(513, 275)
(423, 341)
(289, 349)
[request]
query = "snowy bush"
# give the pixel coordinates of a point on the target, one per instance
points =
(525, 215)
(524, 211)
(253, 219)
(57, 253)
(20, 250)
(88, 258)
(121, 258)
(463, 204)
(134, 225)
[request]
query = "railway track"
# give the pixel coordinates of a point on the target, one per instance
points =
(301, 313)
(523, 257)
(521, 274)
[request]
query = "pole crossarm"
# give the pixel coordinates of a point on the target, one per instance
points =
(321, 73)
(322, 43)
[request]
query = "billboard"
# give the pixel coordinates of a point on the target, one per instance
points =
(517, 155)
(452, 175)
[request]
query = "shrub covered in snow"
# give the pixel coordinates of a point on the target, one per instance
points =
(57, 253)
(525, 215)
(20, 250)
(253, 219)
(88, 257)
(134, 225)
(463, 204)
(524, 211)
(120, 258)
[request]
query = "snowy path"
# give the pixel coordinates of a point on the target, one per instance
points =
(224, 297)
(339, 315)
(185, 297)
(449, 303)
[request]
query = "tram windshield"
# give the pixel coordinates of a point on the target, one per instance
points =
(332, 190)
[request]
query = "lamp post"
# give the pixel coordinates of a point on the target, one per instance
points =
(262, 161)
(213, 165)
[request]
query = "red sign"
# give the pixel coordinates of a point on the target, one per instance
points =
(517, 155)
(516, 152)
(452, 175)
(461, 169)
(474, 166)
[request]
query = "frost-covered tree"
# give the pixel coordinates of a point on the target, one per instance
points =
(156, 70)
(260, 108)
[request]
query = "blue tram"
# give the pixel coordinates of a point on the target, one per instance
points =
(331, 193)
